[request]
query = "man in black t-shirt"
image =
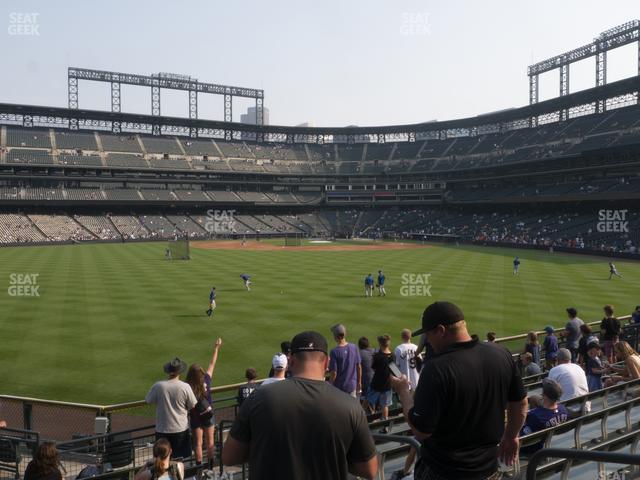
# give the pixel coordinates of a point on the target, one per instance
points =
(458, 411)
(302, 427)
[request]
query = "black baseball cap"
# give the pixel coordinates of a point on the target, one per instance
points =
(572, 311)
(439, 313)
(309, 342)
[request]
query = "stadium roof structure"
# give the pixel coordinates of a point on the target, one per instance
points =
(623, 91)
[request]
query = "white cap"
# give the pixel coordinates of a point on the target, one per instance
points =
(279, 361)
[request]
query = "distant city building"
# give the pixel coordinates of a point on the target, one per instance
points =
(250, 116)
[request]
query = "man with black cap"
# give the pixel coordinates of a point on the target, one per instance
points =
(173, 398)
(458, 411)
(302, 427)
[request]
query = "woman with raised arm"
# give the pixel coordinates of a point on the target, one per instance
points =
(202, 418)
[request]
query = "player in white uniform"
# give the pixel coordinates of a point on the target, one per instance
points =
(405, 355)
(613, 271)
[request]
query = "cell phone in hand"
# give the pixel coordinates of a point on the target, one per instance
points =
(395, 371)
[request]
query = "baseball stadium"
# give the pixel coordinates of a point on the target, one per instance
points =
(115, 227)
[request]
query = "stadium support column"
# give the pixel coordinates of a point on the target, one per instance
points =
(228, 106)
(259, 111)
(72, 83)
(564, 88)
(155, 99)
(601, 75)
(193, 110)
(115, 97)
(533, 96)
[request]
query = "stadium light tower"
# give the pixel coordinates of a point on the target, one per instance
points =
(608, 40)
(160, 80)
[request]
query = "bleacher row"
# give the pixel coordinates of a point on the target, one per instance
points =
(147, 193)
(35, 228)
(615, 128)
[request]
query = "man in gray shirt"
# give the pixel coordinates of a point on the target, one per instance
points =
(572, 333)
(173, 398)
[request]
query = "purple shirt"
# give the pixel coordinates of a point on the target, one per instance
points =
(344, 360)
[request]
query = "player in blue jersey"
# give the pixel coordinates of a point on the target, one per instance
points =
(516, 265)
(247, 281)
(368, 286)
(381, 279)
(212, 301)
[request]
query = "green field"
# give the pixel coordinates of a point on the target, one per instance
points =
(109, 315)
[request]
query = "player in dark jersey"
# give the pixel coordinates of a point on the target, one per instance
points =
(247, 281)
(516, 265)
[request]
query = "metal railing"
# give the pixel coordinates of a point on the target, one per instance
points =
(383, 454)
(570, 456)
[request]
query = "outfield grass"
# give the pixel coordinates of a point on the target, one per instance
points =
(109, 315)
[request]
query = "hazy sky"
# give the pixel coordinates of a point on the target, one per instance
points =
(329, 62)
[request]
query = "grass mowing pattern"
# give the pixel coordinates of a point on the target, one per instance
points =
(109, 315)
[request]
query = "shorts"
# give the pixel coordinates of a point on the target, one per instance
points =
(383, 399)
(196, 422)
(212, 304)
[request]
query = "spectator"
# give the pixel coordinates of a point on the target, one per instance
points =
(248, 388)
(458, 410)
(548, 415)
(635, 316)
(610, 330)
(406, 359)
(161, 467)
(491, 337)
(302, 427)
(174, 399)
(203, 424)
(631, 370)
(586, 338)
(571, 378)
(279, 365)
(572, 332)
(533, 347)
(45, 464)
(345, 366)
(3, 424)
(529, 366)
(379, 396)
(594, 367)
(550, 348)
(366, 359)
(285, 347)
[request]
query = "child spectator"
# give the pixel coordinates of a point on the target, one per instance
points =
(248, 388)
(550, 348)
(548, 415)
(533, 347)
(595, 368)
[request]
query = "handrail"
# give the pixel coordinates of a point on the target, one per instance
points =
(411, 441)
(542, 332)
(587, 455)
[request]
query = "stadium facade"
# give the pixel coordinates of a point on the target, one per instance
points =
(548, 174)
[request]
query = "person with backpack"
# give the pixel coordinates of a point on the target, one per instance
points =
(162, 467)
